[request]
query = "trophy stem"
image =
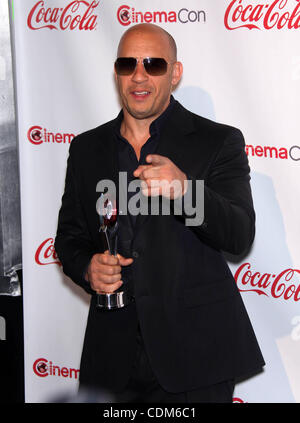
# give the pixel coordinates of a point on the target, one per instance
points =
(117, 299)
(107, 242)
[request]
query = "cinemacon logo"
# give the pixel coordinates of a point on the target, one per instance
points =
(283, 285)
(266, 15)
(43, 368)
(38, 135)
(272, 152)
(74, 15)
(129, 15)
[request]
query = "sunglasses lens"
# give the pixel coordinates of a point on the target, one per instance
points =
(125, 65)
(155, 66)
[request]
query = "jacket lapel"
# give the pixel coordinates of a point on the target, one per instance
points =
(103, 166)
(175, 143)
(107, 151)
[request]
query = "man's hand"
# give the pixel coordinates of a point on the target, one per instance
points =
(161, 177)
(104, 272)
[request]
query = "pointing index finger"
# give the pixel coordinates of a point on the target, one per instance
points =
(140, 170)
(155, 159)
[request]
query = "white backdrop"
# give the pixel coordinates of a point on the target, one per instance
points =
(241, 67)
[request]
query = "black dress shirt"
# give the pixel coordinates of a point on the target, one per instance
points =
(128, 162)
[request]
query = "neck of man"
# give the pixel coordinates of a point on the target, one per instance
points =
(137, 131)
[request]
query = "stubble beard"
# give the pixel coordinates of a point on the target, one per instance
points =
(150, 112)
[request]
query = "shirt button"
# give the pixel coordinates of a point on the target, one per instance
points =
(135, 254)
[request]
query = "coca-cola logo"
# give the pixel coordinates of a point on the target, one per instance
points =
(78, 14)
(270, 15)
(237, 400)
(282, 285)
(46, 254)
(38, 135)
(43, 368)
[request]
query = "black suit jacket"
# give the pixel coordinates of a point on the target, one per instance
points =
(193, 320)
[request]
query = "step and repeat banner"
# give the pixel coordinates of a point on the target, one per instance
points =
(241, 63)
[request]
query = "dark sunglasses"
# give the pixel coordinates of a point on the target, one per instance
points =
(154, 66)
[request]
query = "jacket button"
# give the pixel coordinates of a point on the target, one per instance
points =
(135, 254)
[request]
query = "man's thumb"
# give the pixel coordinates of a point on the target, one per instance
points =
(124, 261)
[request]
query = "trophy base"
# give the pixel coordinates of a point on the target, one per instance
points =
(114, 300)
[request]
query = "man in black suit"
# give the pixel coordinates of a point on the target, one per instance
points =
(186, 335)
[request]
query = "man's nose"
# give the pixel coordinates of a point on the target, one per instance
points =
(139, 73)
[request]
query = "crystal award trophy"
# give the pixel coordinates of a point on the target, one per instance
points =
(107, 210)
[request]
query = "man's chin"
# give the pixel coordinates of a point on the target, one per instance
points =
(141, 114)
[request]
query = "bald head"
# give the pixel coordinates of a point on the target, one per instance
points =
(145, 95)
(150, 29)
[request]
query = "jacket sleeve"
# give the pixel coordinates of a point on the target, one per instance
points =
(229, 217)
(73, 244)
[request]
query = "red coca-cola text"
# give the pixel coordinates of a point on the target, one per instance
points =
(262, 16)
(78, 14)
(282, 285)
(46, 254)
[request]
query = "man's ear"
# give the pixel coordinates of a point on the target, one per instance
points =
(177, 73)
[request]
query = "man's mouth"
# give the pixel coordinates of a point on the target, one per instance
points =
(140, 94)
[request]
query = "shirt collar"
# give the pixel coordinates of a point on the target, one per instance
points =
(156, 125)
